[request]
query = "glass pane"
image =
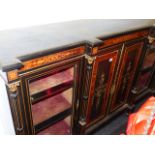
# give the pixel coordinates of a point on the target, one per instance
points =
(149, 60)
(52, 106)
(51, 81)
(61, 128)
(51, 94)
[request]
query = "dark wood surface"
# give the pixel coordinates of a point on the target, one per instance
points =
(102, 75)
(26, 43)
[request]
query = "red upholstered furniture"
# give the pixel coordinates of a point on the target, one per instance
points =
(143, 121)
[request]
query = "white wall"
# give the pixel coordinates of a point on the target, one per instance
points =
(21, 13)
(6, 122)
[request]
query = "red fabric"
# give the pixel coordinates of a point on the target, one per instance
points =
(139, 123)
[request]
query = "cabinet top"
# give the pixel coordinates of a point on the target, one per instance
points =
(20, 44)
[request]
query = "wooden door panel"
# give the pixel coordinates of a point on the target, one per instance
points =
(126, 75)
(102, 75)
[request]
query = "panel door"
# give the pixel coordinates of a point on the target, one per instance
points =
(52, 99)
(131, 56)
(102, 75)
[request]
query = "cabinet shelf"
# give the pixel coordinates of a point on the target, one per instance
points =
(52, 106)
(52, 121)
(44, 83)
(35, 98)
(63, 127)
(51, 98)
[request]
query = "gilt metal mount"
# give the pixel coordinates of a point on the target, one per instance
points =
(89, 59)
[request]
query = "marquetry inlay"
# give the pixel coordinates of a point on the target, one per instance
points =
(123, 38)
(12, 75)
(95, 50)
(37, 62)
(52, 58)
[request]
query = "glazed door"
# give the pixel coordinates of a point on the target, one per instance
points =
(102, 75)
(53, 99)
(146, 71)
(130, 59)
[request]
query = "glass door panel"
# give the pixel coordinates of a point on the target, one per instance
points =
(51, 106)
(51, 101)
(51, 81)
(63, 127)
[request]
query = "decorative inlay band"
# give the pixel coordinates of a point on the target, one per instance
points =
(52, 58)
(12, 75)
(37, 62)
(95, 50)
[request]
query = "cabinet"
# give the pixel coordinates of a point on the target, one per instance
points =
(78, 88)
(102, 75)
(113, 71)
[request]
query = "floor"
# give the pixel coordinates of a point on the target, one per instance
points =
(118, 125)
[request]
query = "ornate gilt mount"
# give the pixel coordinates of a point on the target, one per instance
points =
(82, 122)
(13, 86)
(89, 59)
(151, 39)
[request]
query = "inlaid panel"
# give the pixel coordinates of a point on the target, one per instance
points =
(100, 87)
(102, 74)
(126, 74)
(44, 83)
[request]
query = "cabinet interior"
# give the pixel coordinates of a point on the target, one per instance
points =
(51, 101)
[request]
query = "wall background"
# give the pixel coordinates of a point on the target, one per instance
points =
(21, 13)
(6, 123)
